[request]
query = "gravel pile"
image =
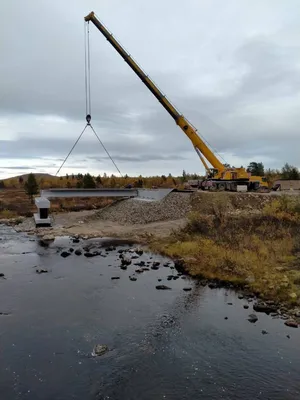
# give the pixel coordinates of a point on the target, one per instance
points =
(132, 211)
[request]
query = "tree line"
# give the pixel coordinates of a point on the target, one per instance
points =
(287, 171)
(32, 184)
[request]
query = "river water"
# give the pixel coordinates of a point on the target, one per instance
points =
(168, 344)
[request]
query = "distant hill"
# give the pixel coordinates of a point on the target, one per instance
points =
(37, 175)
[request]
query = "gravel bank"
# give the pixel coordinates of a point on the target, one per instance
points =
(172, 207)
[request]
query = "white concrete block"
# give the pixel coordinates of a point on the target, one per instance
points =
(42, 202)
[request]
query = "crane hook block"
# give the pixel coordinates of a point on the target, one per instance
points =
(88, 119)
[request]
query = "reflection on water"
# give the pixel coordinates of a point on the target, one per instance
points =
(163, 344)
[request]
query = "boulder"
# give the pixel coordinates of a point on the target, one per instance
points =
(291, 323)
(78, 252)
(41, 271)
(110, 248)
(139, 252)
(252, 318)
(99, 350)
(162, 287)
(90, 255)
(65, 254)
(187, 289)
(263, 307)
(125, 261)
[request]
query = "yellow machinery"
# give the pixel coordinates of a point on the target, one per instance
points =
(219, 177)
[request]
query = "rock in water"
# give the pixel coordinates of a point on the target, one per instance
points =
(264, 332)
(252, 318)
(110, 248)
(187, 289)
(65, 254)
(2, 275)
(115, 277)
(94, 254)
(291, 323)
(139, 252)
(163, 287)
(78, 252)
(246, 306)
(263, 307)
(99, 350)
(133, 278)
(125, 261)
(41, 271)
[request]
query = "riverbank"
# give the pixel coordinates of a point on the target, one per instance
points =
(257, 253)
(246, 240)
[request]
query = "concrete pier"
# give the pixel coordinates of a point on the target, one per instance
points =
(42, 218)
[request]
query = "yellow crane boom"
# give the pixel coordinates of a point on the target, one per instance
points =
(188, 129)
(220, 177)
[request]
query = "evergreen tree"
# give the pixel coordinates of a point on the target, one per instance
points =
(98, 180)
(256, 169)
(31, 186)
(290, 172)
(88, 182)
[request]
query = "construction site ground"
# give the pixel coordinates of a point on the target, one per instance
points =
(131, 218)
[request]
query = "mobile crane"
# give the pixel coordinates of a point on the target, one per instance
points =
(218, 176)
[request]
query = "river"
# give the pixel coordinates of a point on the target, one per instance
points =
(171, 344)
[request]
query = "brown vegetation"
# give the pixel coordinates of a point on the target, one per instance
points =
(260, 250)
(15, 202)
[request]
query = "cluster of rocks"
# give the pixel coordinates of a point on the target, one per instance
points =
(130, 257)
(270, 307)
(133, 211)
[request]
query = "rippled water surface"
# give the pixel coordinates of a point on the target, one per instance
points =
(163, 344)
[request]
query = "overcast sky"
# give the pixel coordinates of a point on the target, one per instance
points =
(231, 67)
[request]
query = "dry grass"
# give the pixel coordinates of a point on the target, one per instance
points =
(7, 214)
(261, 250)
(15, 202)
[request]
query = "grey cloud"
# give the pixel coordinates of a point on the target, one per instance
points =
(142, 158)
(255, 115)
(17, 167)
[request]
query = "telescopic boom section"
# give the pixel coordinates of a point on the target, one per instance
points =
(179, 119)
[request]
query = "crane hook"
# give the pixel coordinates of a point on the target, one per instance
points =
(88, 119)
